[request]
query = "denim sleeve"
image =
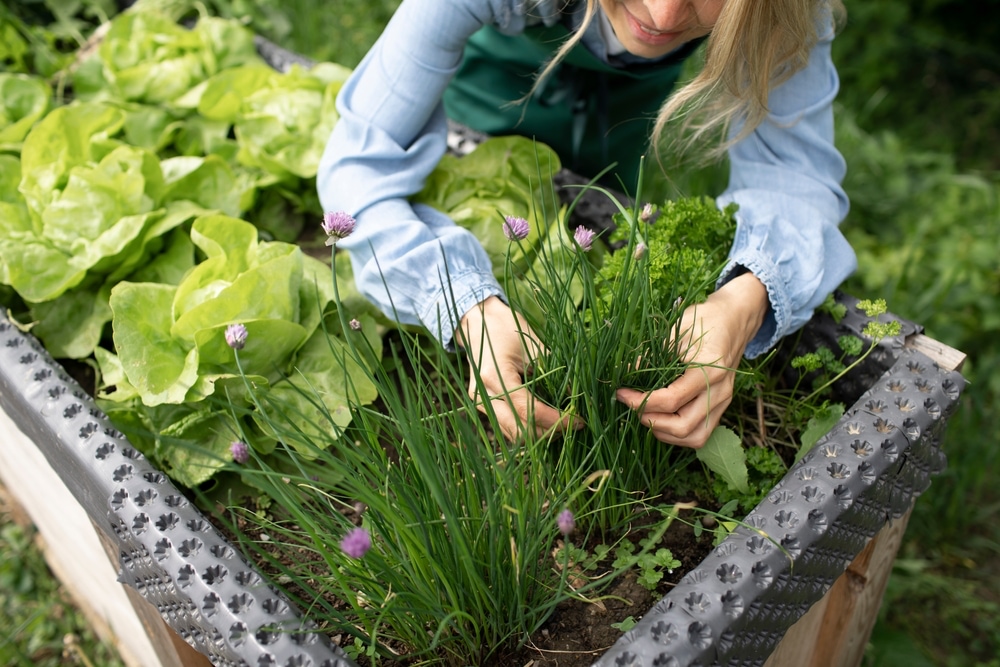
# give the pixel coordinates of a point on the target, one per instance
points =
(412, 262)
(786, 178)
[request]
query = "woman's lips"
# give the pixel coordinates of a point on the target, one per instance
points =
(648, 35)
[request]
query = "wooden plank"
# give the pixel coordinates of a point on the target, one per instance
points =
(856, 598)
(72, 547)
(796, 647)
(835, 631)
(945, 356)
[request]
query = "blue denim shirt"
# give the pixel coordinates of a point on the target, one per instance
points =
(421, 268)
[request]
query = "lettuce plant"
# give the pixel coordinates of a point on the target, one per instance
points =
(147, 57)
(281, 120)
(173, 377)
(168, 123)
(509, 174)
(88, 210)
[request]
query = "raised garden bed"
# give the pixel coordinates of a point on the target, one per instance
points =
(733, 608)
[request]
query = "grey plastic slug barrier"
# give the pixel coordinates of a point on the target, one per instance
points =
(731, 609)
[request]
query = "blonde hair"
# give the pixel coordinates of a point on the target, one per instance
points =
(753, 47)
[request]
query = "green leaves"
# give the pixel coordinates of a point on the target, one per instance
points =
(95, 206)
(723, 454)
(149, 58)
(171, 350)
(502, 176)
(168, 123)
(283, 127)
(67, 137)
(24, 99)
(176, 132)
(161, 368)
(688, 239)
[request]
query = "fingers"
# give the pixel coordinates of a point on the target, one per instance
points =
(499, 344)
(515, 407)
(688, 410)
(691, 427)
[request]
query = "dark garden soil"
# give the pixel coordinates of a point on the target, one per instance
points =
(578, 632)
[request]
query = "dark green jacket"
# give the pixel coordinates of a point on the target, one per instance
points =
(591, 113)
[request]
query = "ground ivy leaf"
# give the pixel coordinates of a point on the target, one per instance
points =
(724, 455)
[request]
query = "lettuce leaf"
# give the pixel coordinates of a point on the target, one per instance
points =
(147, 57)
(171, 350)
(283, 126)
(502, 176)
(24, 99)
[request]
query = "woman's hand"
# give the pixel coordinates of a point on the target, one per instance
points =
(714, 337)
(499, 343)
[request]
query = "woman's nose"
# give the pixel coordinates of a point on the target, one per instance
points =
(668, 15)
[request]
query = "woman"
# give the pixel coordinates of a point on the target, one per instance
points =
(768, 81)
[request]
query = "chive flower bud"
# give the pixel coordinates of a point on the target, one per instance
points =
(338, 226)
(240, 451)
(236, 336)
(648, 213)
(515, 228)
(566, 522)
(640, 251)
(355, 325)
(356, 543)
(584, 238)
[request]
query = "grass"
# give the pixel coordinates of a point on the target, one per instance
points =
(39, 625)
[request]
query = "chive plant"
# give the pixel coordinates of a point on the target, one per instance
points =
(413, 529)
(617, 323)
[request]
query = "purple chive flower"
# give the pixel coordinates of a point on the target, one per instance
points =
(356, 543)
(640, 250)
(355, 325)
(338, 226)
(515, 228)
(236, 336)
(647, 213)
(240, 451)
(566, 522)
(584, 238)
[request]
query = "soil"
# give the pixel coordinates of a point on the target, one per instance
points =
(578, 632)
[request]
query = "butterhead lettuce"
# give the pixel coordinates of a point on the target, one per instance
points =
(170, 347)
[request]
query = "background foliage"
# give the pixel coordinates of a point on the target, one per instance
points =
(918, 122)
